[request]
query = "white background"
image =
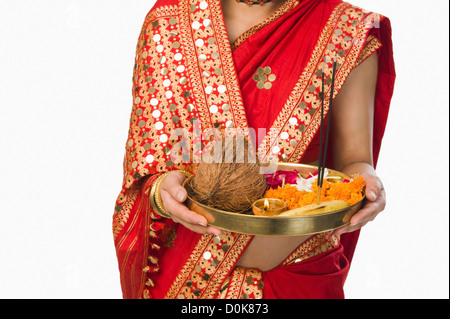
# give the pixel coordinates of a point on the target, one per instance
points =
(65, 101)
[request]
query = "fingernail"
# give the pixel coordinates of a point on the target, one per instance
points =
(204, 225)
(180, 195)
(373, 195)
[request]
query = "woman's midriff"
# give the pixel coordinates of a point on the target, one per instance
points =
(267, 252)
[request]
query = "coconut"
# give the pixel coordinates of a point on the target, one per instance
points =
(231, 181)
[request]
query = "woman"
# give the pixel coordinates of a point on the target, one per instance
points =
(227, 64)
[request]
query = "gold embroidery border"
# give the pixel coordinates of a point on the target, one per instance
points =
(313, 246)
(236, 285)
(188, 268)
(229, 74)
(372, 45)
(231, 78)
(189, 273)
(161, 12)
(240, 288)
(192, 60)
(122, 211)
(286, 7)
(224, 269)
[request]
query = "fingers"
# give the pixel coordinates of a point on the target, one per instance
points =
(370, 210)
(347, 229)
(198, 228)
(359, 220)
(173, 194)
(375, 203)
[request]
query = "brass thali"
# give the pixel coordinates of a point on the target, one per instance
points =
(247, 223)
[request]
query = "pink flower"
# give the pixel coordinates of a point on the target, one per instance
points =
(276, 179)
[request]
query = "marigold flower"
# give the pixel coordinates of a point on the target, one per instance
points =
(349, 191)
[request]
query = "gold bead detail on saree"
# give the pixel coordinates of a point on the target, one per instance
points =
(264, 78)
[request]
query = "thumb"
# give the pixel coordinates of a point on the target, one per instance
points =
(373, 188)
(173, 184)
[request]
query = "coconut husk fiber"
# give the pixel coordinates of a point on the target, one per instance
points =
(230, 183)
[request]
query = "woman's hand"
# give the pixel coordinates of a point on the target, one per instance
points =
(173, 194)
(374, 204)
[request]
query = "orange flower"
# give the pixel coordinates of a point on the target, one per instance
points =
(350, 192)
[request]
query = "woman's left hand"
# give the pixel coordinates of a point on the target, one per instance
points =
(374, 204)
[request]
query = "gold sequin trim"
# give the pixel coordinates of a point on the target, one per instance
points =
(208, 266)
(244, 283)
(122, 210)
(314, 246)
(372, 45)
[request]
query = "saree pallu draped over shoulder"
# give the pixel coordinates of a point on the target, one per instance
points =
(189, 79)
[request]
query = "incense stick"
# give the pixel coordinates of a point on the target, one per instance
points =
(321, 134)
(323, 157)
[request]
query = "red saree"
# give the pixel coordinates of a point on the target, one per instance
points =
(188, 77)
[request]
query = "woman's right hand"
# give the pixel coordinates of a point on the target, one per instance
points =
(173, 195)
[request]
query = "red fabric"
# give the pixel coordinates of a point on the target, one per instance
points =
(320, 277)
(286, 45)
(132, 246)
(173, 260)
